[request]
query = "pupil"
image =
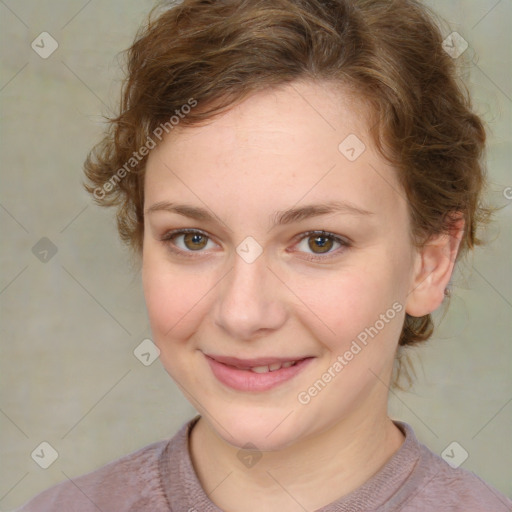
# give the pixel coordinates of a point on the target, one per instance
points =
(197, 241)
(322, 242)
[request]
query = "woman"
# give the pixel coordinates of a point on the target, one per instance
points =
(299, 179)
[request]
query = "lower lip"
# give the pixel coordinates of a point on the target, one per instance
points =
(247, 380)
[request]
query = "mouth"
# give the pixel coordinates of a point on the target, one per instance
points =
(257, 374)
(257, 365)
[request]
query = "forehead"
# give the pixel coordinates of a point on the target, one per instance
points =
(303, 141)
(304, 111)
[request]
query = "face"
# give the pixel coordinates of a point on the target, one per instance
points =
(276, 265)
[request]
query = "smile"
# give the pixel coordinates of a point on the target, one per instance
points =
(270, 368)
(259, 374)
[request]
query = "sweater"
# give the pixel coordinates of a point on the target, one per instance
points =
(161, 478)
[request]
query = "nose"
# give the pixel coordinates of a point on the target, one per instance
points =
(250, 301)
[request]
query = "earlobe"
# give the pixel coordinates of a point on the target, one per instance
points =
(433, 269)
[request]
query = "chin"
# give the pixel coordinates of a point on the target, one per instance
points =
(262, 428)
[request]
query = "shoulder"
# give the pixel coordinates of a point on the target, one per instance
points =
(458, 488)
(124, 484)
(435, 485)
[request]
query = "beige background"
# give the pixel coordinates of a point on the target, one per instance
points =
(70, 325)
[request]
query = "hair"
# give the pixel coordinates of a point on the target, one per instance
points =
(214, 53)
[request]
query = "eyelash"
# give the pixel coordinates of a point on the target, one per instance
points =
(343, 242)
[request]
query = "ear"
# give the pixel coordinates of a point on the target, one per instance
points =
(433, 269)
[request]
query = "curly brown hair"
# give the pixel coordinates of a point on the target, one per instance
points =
(211, 54)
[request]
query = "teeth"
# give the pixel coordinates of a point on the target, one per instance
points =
(260, 369)
(272, 367)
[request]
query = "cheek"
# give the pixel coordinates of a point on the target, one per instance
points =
(175, 298)
(358, 317)
(348, 302)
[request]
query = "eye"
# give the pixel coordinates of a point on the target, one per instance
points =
(185, 241)
(318, 245)
(321, 243)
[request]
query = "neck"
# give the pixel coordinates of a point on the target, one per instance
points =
(307, 475)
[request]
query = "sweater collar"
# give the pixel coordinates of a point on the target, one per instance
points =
(185, 493)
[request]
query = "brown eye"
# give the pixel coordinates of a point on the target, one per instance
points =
(194, 241)
(320, 244)
(187, 242)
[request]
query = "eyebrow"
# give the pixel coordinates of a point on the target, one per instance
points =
(278, 218)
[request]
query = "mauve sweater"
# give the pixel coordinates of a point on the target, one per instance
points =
(160, 478)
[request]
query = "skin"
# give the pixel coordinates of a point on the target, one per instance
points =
(274, 151)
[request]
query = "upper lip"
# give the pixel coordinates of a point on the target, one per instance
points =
(253, 362)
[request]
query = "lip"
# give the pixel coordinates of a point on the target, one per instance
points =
(228, 371)
(250, 363)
